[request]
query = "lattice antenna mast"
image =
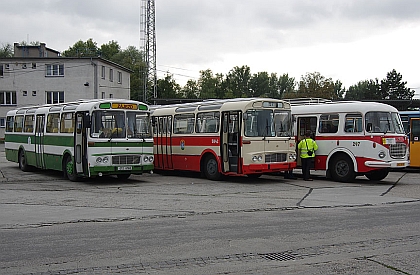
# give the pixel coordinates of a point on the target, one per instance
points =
(148, 48)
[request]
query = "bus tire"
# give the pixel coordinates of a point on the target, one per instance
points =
(123, 176)
(23, 163)
(377, 175)
(211, 170)
(342, 168)
(69, 169)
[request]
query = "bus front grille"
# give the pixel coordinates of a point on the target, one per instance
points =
(398, 150)
(277, 157)
(126, 159)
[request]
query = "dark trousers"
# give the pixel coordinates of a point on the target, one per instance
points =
(306, 167)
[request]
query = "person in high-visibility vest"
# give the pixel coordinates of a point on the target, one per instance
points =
(307, 148)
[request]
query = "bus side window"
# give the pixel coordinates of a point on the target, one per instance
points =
(9, 124)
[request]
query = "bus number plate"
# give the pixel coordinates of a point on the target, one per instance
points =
(400, 164)
(124, 168)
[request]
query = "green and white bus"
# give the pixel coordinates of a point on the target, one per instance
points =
(84, 139)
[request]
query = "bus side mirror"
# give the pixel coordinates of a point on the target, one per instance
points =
(153, 121)
(86, 121)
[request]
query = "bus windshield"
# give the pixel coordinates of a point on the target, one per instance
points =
(383, 122)
(267, 123)
(119, 124)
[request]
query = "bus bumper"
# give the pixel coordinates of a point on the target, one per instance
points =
(387, 164)
(268, 167)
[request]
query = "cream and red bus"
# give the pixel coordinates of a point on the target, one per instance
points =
(87, 138)
(244, 136)
(354, 138)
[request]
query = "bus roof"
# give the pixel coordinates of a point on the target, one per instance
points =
(342, 107)
(214, 104)
(82, 104)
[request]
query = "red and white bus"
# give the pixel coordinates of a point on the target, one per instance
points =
(354, 138)
(245, 136)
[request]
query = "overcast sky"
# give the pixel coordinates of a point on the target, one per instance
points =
(346, 40)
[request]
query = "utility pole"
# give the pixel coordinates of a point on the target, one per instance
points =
(148, 49)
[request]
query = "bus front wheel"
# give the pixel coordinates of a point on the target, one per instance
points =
(23, 164)
(211, 170)
(70, 170)
(377, 175)
(342, 168)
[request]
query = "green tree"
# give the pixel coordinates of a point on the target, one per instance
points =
(190, 90)
(208, 84)
(286, 86)
(82, 49)
(110, 50)
(237, 81)
(338, 90)
(366, 89)
(168, 88)
(6, 50)
(392, 87)
(259, 85)
(316, 85)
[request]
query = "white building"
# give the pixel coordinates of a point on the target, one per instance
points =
(38, 75)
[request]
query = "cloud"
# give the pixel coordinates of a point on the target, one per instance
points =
(349, 40)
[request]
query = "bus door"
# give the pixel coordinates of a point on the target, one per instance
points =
(39, 141)
(80, 143)
(415, 142)
(164, 143)
(230, 141)
(304, 124)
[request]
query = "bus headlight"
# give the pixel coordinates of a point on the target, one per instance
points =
(257, 158)
(148, 159)
(382, 154)
(102, 160)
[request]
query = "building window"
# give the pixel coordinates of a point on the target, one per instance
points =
(120, 77)
(2, 122)
(103, 95)
(1, 70)
(54, 70)
(24, 93)
(55, 97)
(33, 65)
(103, 72)
(111, 96)
(111, 75)
(8, 98)
(33, 93)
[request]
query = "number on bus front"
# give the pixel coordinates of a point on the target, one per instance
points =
(356, 143)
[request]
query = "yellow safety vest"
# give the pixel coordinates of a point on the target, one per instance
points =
(305, 145)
